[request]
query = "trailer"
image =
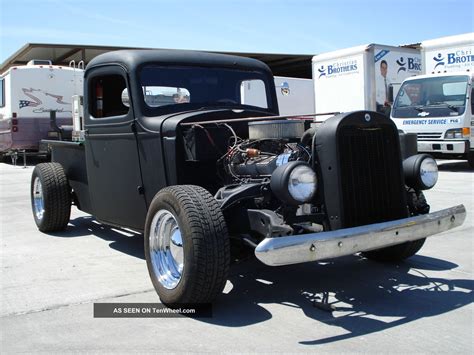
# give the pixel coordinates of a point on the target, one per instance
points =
(361, 78)
(438, 106)
(295, 96)
(28, 95)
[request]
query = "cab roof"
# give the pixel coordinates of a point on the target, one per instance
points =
(132, 59)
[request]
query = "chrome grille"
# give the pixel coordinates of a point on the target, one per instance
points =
(428, 136)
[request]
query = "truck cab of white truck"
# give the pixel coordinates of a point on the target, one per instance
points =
(438, 106)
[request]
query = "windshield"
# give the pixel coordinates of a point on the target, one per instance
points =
(436, 97)
(166, 89)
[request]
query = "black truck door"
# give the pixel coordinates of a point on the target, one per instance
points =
(113, 167)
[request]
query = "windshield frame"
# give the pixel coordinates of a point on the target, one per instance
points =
(252, 73)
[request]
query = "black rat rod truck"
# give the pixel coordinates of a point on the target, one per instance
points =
(189, 149)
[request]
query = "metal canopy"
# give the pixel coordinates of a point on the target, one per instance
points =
(292, 65)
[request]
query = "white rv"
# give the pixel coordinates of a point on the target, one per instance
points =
(28, 94)
(360, 78)
(438, 106)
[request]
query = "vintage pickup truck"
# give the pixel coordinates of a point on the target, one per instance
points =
(169, 145)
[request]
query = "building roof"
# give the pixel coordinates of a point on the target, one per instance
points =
(292, 65)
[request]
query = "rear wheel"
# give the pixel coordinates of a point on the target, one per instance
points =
(50, 197)
(186, 245)
(417, 205)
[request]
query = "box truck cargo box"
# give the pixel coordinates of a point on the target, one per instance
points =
(360, 78)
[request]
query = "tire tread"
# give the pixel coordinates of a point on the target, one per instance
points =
(210, 241)
(56, 196)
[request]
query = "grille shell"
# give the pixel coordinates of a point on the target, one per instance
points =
(370, 176)
(358, 158)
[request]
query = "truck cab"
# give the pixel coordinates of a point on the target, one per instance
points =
(439, 109)
(168, 145)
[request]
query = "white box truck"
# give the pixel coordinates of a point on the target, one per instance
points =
(360, 78)
(438, 106)
(295, 96)
(28, 94)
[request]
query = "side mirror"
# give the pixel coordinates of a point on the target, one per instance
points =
(390, 94)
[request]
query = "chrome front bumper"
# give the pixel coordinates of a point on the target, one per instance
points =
(325, 245)
(443, 146)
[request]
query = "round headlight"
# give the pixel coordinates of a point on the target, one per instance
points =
(302, 183)
(429, 172)
(294, 183)
(421, 171)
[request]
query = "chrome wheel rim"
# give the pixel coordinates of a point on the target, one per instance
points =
(166, 249)
(38, 201)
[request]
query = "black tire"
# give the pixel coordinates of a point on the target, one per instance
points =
(470, 159)
(417, 206)
(56, 197)
(205, 244)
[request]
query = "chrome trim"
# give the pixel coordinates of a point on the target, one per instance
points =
(38, 201)
(166, 249)
(325, 245)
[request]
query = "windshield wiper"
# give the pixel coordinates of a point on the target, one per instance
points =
(419, 108)
(451, 107)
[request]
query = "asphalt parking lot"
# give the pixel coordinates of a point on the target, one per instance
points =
(50, 282)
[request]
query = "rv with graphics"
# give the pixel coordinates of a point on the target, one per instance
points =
(28, 94)
(362, 77)
(438, 106)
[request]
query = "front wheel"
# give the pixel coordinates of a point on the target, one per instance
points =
(470, 159)
(186, 245)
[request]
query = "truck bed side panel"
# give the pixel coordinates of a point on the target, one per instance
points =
(72, 157)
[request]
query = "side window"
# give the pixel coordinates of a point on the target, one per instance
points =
(105, 96)
(2, 92)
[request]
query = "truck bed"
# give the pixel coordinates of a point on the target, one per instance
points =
(71, 155)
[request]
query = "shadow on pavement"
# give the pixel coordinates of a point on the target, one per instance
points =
(454, 166)
(124, 241)
(354, 294)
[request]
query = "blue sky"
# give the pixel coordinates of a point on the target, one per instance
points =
(267, 26)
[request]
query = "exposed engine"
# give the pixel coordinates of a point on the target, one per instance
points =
(271, 144)
(275, 157)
